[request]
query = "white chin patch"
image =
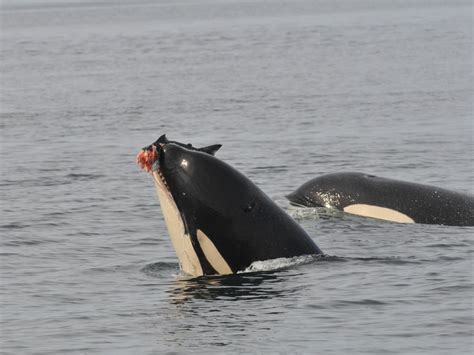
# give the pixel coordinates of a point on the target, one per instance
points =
(378, 212)
(188, 260)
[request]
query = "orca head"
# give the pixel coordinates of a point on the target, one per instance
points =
(329, 191)
(194, 189)
(318, 192)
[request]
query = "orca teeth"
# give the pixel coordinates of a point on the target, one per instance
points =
(147, 158)
(160, 174)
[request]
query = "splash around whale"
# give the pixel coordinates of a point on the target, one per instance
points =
(218, 220)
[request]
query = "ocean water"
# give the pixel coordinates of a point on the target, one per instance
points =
(292, 89)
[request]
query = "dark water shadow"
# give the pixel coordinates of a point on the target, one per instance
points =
(252, 284)
(249, 286)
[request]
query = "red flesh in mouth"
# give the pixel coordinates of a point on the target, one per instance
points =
(146, 158)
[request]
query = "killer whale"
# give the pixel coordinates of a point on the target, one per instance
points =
(218, 220)
(389, 199)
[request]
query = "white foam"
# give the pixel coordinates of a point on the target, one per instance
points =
(279, 263)
(300, 213)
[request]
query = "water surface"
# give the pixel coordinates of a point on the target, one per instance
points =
(292, 89)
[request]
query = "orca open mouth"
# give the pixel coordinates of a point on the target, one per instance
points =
(147, 157)
(149, 160)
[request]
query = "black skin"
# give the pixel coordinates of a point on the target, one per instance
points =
(422, 203)
(212, 149)
(244, 224)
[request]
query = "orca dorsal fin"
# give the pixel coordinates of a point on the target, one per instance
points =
(211, 149)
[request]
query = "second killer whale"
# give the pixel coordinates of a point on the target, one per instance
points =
(388, 199)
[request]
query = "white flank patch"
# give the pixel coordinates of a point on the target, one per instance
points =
(212, 254)
(378, 212)
(182, 244)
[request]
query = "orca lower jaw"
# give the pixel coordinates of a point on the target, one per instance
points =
(160, 178)
(189, 262)
(150, 159)
(160, 182)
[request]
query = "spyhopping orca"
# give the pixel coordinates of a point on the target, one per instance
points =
(218, 220)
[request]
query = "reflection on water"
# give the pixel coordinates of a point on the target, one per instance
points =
(261, 285)
(262, 280)
(222, 311)
(257, 285)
